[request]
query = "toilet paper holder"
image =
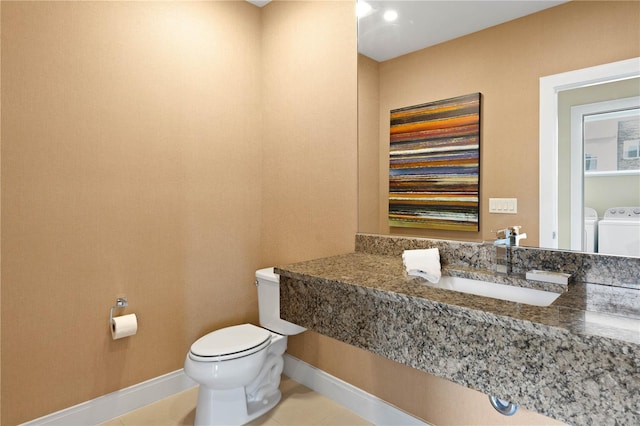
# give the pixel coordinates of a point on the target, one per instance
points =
(121, 302)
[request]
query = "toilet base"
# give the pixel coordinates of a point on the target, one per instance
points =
(230, 407)
(240, 405)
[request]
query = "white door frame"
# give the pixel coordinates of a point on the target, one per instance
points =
(548, 134)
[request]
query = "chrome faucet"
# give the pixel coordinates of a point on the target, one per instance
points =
(507, 238)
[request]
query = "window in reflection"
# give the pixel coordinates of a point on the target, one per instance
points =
(611, 141)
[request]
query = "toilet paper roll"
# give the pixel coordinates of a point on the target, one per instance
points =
(123, 326)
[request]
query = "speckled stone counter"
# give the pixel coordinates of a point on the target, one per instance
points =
(577, 360)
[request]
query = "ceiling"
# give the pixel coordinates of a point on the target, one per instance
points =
(424, 23)
(259, 3)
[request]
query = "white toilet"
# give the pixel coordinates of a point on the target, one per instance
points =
(238, 367)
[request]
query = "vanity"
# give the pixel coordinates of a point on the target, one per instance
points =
(576, 360)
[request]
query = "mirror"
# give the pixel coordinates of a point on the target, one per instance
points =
(505, 63)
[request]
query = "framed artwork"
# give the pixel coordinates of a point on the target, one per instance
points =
(434, 170)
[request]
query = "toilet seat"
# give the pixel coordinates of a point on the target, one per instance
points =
(230, 343)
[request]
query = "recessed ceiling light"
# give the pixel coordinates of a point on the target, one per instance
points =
(390, 15)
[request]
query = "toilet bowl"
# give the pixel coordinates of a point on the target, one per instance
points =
(238, 368)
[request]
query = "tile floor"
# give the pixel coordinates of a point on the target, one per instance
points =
(300, 406)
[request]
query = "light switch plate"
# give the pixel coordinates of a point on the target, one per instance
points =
(503, 205)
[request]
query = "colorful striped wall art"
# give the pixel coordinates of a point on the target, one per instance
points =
(434, 171)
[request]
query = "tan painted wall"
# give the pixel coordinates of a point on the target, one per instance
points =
(162, 151)
(0, 215)
(505, 63)
(368, 146)
(310, 130)
(131, 164)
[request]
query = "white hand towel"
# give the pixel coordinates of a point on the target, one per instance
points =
(423, 263)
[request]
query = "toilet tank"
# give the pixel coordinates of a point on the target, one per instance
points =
(268, 283)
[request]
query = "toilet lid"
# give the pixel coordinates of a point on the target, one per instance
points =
(230, 340)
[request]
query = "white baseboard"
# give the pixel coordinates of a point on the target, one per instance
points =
(104, 408)
(365, 405)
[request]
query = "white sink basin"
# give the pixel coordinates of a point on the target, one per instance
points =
(527, 296)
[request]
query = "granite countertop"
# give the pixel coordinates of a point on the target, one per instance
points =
(576, 360)
(583, 309)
